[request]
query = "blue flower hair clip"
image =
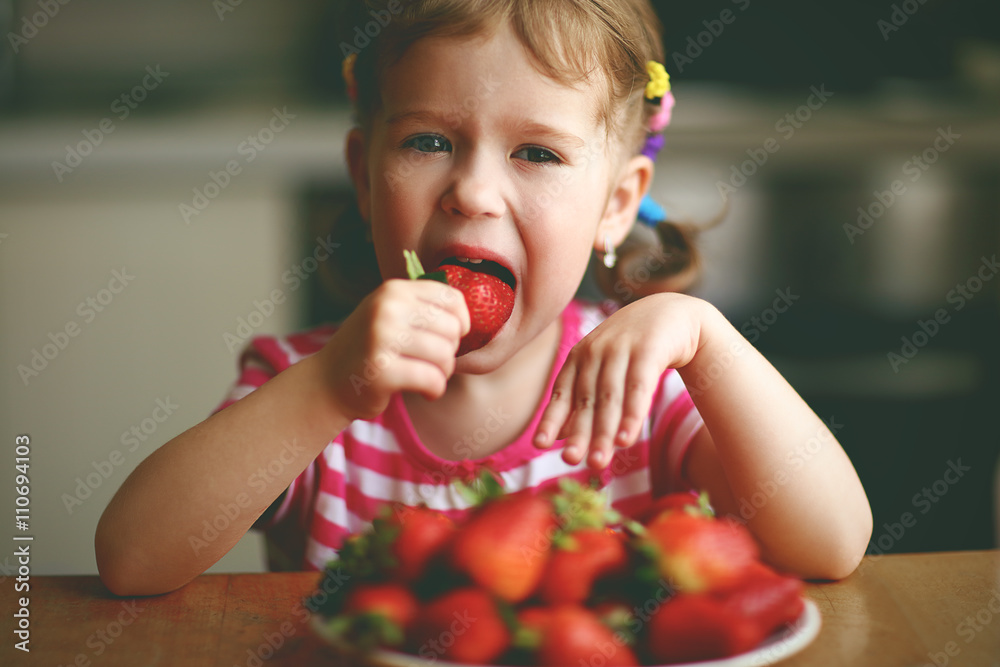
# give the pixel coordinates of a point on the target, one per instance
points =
(650, 213)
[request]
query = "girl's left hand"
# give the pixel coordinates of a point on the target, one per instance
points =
(604, 390)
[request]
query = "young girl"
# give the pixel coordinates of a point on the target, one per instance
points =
(509, 136)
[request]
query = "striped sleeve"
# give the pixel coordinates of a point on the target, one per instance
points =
(674, 422)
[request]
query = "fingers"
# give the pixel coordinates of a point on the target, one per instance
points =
(608, 411)
(599, 402)
(558, 409)
(422, 323)
(640, 384)
(403, 337)
(440, 303)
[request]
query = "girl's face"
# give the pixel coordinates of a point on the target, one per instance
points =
(476, 154)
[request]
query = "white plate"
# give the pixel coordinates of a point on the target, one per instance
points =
(776, 648)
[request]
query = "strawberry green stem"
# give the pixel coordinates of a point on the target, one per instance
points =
(415, 270)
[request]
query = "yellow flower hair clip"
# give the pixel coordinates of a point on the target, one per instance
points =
(659, 81)
(347, 70)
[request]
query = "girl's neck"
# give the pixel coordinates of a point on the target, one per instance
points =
(515, 389)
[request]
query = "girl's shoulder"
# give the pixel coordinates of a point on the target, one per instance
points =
(263, 357)
(280, 352)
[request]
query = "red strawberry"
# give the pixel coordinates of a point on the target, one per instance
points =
(490, 302)
(423, 532)
(725, 622)
(504, 546)
(375, 615)
(489, 299)
(463, 625)
(691, 627)
(577, 561)
(573, 635)
(766, 597)
(684, 501)
(535, 620)
(699, 553)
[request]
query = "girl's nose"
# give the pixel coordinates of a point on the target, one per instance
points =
(475, 190)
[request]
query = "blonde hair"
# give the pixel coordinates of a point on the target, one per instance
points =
(571, 41)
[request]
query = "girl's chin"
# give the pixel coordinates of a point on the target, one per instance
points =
(484, 360)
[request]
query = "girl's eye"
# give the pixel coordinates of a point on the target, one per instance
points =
(537, 154)
(428, 143)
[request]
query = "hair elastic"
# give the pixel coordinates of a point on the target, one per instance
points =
(659, 81)
(657, 92)
(650, 213)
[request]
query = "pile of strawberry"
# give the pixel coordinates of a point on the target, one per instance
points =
(543, 580)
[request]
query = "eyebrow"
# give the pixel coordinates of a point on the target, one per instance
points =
(529, 127)
(417, 115)
(534, 128)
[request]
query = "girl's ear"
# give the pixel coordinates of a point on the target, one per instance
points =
(357, 165)
(623, 203)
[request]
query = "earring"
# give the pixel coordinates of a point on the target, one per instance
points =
(609, 253)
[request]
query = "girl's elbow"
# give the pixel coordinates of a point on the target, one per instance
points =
(125, 575)
(843, 557)
(124, 569)
(115, 566)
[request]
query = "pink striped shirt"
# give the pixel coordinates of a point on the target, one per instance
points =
(381, 461)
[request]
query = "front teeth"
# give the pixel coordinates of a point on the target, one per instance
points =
(470, 261)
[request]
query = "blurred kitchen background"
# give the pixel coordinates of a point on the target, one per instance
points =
(128, 269)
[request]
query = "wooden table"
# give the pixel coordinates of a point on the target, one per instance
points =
(901, 610)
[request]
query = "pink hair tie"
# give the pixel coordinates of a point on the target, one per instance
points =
(661, 119)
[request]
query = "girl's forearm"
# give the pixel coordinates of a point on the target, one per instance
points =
(190, 501)
(787, 475)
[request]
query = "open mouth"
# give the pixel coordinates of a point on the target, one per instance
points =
(484, 266)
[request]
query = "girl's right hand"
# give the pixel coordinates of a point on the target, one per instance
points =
(402, 337)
